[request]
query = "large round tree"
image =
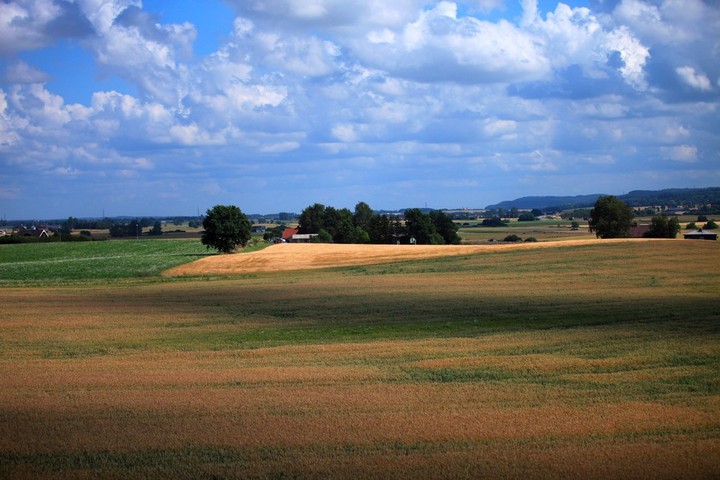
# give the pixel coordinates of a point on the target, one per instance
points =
(226, 227)
(611, 218)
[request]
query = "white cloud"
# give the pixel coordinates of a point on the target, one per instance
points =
(22, 24)
(496, 127)
(665, 21)
(440, 46)
(280, 147)
(698, 81)
(681, 153)
(345, 133)
(21, 72)
(633, 54)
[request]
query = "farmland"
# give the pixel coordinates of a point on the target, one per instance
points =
(98, 261)
(592, 360)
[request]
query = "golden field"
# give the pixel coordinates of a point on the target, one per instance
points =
(588, 360)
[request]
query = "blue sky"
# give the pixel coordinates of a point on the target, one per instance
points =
(133, 107)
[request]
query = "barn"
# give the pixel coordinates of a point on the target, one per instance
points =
(700, 235)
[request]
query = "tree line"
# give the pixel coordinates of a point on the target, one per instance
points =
(363, 225)
(226, 226)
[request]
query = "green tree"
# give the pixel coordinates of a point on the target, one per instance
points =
(711, 225)
(493, 222)
(419, 226)
(382, 230)
(526, 217)
(226, 227)
(363, 215)
(445, 227)
(157, 228)
(323, 236)
(610, 218)
(663, 227)
(69, 225)
(312, 219)
(339, 223)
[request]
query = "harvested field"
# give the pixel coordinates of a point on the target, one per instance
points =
(296, 256)
(589, 361)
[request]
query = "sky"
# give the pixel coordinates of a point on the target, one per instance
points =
(149, 108)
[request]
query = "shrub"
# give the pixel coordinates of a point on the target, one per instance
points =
(526, 217)
(493, 222)
(512, 238)
(531, 239)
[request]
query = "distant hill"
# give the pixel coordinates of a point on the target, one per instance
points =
(542, 203)
(636, 198)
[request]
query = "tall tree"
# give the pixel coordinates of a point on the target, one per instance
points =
(610, 218)
(663, 227)
(157, 228)
(226, 227)
(381, 230)
(420, 227)
(445, 226)
(363, 215)
(312, 219)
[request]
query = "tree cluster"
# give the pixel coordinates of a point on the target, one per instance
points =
(131, 229)
(365, 226)
(663, 227)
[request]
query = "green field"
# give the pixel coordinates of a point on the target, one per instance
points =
(540, 230)
(103, 260)
(595, 361)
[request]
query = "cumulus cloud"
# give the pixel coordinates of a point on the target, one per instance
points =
(440, 46)
(21, 72)
(694, 79)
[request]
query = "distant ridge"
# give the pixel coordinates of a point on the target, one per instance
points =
(635, 198)
(547, 202)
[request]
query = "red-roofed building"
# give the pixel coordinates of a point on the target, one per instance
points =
(288, 233)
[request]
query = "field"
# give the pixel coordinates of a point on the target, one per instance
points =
(541, 230)
(586, 360)
(104, 260)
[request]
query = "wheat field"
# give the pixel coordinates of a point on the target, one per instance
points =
(595, 360)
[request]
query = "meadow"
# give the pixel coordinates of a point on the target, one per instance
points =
(572, 361)
(43, 263)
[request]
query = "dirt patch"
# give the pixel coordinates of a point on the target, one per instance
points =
(299, 256)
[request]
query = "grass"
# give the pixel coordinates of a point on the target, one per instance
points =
(597, 361)
(541, 230)
(82, 261)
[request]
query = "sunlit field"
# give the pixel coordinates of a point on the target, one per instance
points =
(585, 361)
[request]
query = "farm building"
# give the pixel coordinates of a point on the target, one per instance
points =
(303, 237)
(288, 233)
(639, 231)
(38, 232)
(700, 235)
(258, 229)
(291, 235)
